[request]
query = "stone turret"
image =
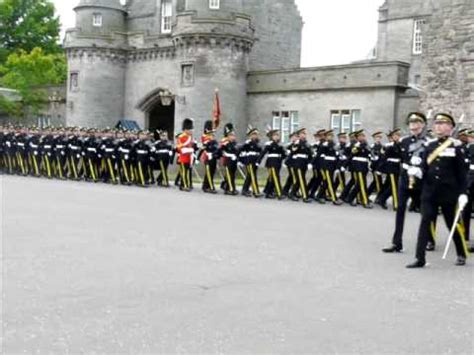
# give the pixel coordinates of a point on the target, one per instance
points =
(96, 63)
(216, 42)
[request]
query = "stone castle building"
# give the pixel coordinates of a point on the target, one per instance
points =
(159, 61)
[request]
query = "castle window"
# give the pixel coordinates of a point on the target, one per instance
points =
(345, 120)
(214, 4)
(166, 15)
(187, 74)
(74, 81)
(97, 20)
(286, 122)
(418, 36)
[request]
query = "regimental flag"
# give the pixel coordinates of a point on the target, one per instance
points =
(216, 111)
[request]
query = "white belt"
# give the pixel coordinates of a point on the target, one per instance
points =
(141, 151)
(187, 150)
(227, 155)
(60, 146)
(163, 151)
(302, 156)
(91, 150)
(253, 154)
(21, 144)
(405, 166)
(74, 147)
(274, 155)
(109, 150)
(124, 150)
(330, 158)
(33, 146)
(47, 147)
(361, 159)
(471, 167)
(393, 160)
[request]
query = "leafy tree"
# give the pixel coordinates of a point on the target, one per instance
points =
(26, 73)
(27, 24)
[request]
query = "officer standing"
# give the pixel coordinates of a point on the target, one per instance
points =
(411, 148)
(328, 166)
(185, 148)
(444, 172)
(291, 180)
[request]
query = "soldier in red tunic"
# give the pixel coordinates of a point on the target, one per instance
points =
(185, 148)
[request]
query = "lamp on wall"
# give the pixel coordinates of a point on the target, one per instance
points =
(166, 97)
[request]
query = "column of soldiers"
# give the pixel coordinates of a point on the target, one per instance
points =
(339, 166)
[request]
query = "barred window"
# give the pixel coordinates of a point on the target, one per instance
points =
(214, 4)
(418, 36)
(286, 122)
(97, 20)
(345, 120)
(166, 15)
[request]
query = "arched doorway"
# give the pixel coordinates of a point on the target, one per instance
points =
(161, 118)
(159, 108)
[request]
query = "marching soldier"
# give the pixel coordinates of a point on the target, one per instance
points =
(142, 155)
(360, 168)
(275, 154)
(229, 152)
(9, 151)
(124, 152)
(108, 149)
(344, 151)
(90, 155)
(75, 154)
(352, 181)
(249, 155)
(163, 155)
(376, 151)
(209, 157)
(46, 150)
(390, 166)
(34, 152)
(443, 169)
(302, 156)
(185, 148)
(317, 162)
(411, 148)
(60, 153)
(328, 167)
(21, 145)
(291, 180)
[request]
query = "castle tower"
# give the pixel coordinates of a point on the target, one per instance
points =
(213, 40)
(95, 51)
(278, 34)
(448, 60)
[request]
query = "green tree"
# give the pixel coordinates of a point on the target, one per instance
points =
(27, 73)
(27, 24)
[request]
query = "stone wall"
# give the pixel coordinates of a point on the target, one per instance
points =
(448, 59)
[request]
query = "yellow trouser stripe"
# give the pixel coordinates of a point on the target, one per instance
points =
(302, 184)
(331, 189)
(252, 178)
(209, 177)
(163, 172)
(276, 181)
(394, 191)
(140, 171)
(125, 170)
(111, 169)
(362, 189)
(229, 179)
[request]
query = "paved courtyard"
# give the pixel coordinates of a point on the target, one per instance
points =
(109, 269)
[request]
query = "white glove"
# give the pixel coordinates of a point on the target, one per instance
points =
(285, 166)
(463, 199)
(209, 156)
(257, 165)
(240, 165)
(310, 166)
(196, 162)
(415, 161)
(343, 169)
(416, 172)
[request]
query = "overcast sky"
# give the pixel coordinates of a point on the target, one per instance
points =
(335, 31)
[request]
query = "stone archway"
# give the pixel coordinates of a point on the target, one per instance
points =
(159, 108)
